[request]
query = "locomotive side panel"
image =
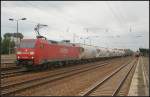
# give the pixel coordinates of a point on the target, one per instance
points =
(56, 52)
(40, 49)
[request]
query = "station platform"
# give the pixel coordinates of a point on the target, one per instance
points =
(140, 81)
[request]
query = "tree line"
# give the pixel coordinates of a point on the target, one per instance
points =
(144, 51)
(8, 44)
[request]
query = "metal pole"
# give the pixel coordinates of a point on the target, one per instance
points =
(73, 37)
(17, 34)
(90, 42)
(9, 47)
(130, 29)
(38, 27)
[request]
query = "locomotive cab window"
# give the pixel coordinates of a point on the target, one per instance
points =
(27, 44)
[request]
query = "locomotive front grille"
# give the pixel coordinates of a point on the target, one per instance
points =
(25, 62)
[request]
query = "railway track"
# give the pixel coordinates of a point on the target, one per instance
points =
(9, 89)
(12, 72)
(72, 85)
(112, 83)
(7, 60)
(7, 64)
(8, 56)
(9, 68)
(145, 70)
(12, 88)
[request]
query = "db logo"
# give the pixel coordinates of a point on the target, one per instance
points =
(64, 50)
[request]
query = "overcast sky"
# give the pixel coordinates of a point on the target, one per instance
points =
(113, 24)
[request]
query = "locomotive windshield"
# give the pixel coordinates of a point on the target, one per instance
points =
(27, 44)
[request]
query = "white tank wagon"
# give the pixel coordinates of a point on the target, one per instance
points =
(88, 51)
(122, 53)
(110, 52)
(128, 52)
(114, 53)
(103, 52)
(117, 53)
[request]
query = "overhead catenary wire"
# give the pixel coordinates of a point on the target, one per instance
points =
(114, 13)
(122, 18)
(40, 8)
(37, 7)
(60, 15)
(119, 12)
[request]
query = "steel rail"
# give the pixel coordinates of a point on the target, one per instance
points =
(11, 73)
(100, 82)
(44, 80)
(122, 81)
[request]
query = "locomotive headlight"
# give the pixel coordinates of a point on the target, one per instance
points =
(31, 53)
(18, 52)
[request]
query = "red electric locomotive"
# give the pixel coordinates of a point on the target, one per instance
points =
(34, 52)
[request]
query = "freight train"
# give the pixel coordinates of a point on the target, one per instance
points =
(40, 51)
